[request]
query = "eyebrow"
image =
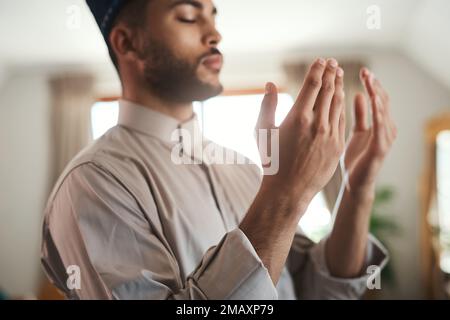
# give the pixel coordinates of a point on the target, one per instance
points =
(194, 3)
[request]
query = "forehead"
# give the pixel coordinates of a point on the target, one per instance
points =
(167, 5)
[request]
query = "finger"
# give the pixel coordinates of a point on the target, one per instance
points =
(391, 127)
(380, 91)
(338, 102)
(361, 113)
(394, 130)
(323, 102)
(266, 117)
(383, 100)
(311, 86)
(366, 78)
(342, 122)
(378, 109)
(377, 118)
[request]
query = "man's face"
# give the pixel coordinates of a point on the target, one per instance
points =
(179, 52)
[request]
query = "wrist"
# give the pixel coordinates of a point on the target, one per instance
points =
(364, 192)
(292, 200)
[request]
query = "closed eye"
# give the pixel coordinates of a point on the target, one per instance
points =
(186, 20)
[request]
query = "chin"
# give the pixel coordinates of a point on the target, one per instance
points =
(208, 85)
(209, 76)
(208, 91)
(212, 88)
(215, 85)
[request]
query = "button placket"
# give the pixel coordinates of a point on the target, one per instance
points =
(180, 141)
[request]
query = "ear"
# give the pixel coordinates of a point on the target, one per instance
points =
(124, 42)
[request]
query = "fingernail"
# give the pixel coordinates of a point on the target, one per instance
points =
(332, 63)
(365, 72)
(321, 61)
(268, 88)
(340, 72)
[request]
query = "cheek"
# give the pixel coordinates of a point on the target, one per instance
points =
(185, 43)
(189, 39)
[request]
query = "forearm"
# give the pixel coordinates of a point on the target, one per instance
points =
(365, 153)
(270, 225)
(346, 247)
(301, 169)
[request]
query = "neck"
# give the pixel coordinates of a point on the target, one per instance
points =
(180, 111)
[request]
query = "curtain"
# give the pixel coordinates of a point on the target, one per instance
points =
(72, 99)
(295, 73)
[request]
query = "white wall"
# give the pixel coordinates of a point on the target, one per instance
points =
(415, 98)
(425, 42)
(24, 178)
(3, 74)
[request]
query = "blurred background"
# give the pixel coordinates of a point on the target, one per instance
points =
(58, 92)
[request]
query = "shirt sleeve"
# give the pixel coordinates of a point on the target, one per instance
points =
(312, 279)
(96, 224)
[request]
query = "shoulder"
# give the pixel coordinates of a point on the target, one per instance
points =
(109, 164)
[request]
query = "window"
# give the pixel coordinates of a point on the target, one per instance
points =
(230, 121)
(443, 195)
(104, 116)
(443, 178)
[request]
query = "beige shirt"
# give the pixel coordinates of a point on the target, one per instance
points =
(137, 224)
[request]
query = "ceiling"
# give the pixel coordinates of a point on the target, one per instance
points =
(36, 31)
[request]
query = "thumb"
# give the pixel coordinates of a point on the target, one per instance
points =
(266, 119)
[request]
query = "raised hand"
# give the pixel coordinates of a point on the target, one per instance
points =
(311, 141)
(369, 144)
(312, 137)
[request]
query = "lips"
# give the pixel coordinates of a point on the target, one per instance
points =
(213, 62)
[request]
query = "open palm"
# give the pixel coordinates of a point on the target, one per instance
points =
(369, 144)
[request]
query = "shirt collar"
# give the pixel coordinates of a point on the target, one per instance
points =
(163, 127)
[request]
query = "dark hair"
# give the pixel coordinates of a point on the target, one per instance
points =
(133, 14)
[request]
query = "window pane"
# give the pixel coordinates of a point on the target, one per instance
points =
(230, 121)
(104, 116)
(443, 181)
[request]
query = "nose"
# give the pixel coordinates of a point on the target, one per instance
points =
(212, 37)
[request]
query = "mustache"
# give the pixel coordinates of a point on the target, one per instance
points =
(211, 52)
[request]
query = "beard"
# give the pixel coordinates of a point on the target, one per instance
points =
(174, 79)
